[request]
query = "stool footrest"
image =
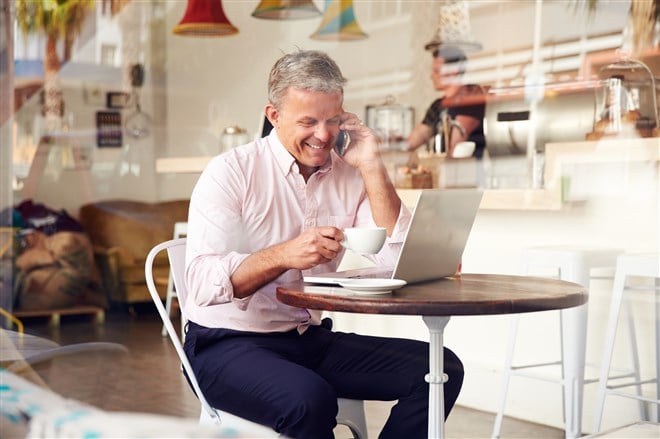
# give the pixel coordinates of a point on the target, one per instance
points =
(620, 377)
(634, 383)
(631, 396)
(529, 366)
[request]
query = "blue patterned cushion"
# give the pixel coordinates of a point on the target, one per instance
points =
(28, 410)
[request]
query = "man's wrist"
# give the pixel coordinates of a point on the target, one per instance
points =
(370, 167)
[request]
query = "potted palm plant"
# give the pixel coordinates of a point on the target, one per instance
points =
(58, 20)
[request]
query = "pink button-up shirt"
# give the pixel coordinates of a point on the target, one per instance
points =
(253, 197)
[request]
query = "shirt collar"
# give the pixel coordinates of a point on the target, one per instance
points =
(286, 161)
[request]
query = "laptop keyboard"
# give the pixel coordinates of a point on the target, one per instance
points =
(385, 274)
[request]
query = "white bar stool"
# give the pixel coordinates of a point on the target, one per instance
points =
(180, 231)
(644, 265)
(574, 265)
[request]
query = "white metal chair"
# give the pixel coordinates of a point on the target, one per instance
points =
(351, 412)
(180, 230)
(639, 265)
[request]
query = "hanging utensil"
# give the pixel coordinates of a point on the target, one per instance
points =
(138, 123)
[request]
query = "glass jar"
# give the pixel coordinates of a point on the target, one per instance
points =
(392, 122)
(626, 102)
(231, 137)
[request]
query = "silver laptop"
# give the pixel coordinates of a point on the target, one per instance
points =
(434, 244)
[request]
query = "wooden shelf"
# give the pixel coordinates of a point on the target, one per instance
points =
(55, 314)
(593, 62)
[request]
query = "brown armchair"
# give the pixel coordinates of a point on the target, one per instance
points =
(122, 233)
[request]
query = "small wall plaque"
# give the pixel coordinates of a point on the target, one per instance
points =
(108, 129)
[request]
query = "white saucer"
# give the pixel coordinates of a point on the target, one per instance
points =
(372, 286)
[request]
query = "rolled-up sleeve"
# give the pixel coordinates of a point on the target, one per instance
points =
(208, 278)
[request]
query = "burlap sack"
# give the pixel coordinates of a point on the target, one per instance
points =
(57, 271)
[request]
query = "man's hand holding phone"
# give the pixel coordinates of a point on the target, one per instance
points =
(359, 144)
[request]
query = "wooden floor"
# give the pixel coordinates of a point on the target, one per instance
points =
(149, 378)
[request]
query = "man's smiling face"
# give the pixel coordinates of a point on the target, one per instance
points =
(307, 124)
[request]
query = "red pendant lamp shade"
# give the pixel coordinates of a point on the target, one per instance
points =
(204, 18)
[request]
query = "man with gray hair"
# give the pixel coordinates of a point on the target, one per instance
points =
(267, 213)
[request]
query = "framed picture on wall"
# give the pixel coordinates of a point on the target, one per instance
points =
(116, 99)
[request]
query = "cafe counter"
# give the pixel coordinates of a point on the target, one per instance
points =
(523, 199)
(560, 160)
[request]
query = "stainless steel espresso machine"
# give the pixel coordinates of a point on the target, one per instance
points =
(564, 113)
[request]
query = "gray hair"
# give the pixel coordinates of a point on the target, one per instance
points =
(311, 70)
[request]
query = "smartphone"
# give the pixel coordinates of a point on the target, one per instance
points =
(343, 140)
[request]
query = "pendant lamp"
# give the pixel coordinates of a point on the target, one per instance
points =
(204, 18)
(339, 23)
(286, 9)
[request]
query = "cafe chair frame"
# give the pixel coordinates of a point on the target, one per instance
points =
(351, 412)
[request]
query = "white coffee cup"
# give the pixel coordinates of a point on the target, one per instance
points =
(364, 239)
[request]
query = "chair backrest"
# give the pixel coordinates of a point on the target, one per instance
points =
(176, 252)
(180, 229)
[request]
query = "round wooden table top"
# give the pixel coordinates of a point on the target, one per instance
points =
(466, 294)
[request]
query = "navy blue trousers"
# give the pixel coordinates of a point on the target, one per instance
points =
(291, 382)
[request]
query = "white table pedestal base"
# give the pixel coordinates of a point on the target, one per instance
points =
(436, 376)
